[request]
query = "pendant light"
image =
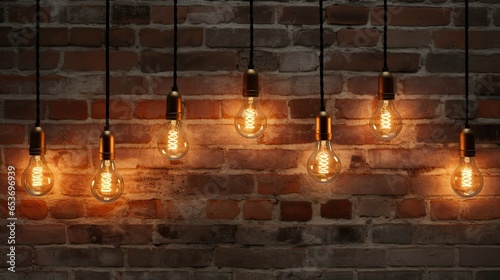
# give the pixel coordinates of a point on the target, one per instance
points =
(467, 180)
(250, 121)
(37, 178)
(172, 142)
(107, 185)
(323, 165)
(385, 121)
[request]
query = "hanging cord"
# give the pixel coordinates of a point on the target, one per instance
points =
(174, 87)
(250, 65)
(466, 63)
(385, 37)
(106, 127)
(321, 82)
(37, 61)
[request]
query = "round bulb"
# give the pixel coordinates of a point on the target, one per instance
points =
(172, 142)
(467, 180)
(37, 179)
(323, 165)
(385, 122)
(250, 121)
(107, 185)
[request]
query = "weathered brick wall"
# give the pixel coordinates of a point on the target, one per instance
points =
(244, 209)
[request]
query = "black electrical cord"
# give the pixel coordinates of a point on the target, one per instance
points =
(385, 37)
(321, 70)
(174, 87)
(106, 127)
(37, 62)
(250, 65)
(466, 63)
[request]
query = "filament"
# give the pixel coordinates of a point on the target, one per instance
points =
(106, 183)
(37, 177)
(324, 161)
(466, 177)
(386, 117)
(173, 139)
(250, 118)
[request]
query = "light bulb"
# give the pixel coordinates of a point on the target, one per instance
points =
(37, 179)
(323, 165)
(467, 180)
(107, 185)
(385, 122)
(172, 142)
(250, 121)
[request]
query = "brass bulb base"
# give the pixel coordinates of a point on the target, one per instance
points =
(174, 106)
(323, 126)
(107, 146)
(37, 141)
(251, 83)
(386, 86)
(467, 143)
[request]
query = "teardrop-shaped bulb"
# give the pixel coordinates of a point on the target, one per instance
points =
(37, 179)
(385, 122)
(107, 185)
(250, 121)
(172, 142)
(323, 164)
(467, 180)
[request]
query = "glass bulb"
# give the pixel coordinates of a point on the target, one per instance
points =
(250, 121)
(385, 122)
(107, 185)
(172, 143)
(467, 180)
(323, 165)
(37, 178)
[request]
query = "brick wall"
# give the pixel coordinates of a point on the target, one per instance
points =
(245, 209)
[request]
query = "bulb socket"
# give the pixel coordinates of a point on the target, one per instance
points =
(323, 126)
(37, 141)
(107, 146)
(174, 106)
(467, 143)
(251, 83)
(385, 86)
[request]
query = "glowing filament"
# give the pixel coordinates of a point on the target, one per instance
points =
(250, 118)
(37, 179)
(385, 122)
(173, 139)
(466, 177)
(106, 183)
(323, 162)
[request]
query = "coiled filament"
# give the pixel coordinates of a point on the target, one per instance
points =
(323, 162)
(250, 118)
(173, 139)
(467, 177)
(385, 122)
(106, 183)
(37, 177)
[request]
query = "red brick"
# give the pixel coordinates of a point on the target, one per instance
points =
(150, 109)
(415, 256)
(410, 208)
(310, 37)
(481, 209)
(262, 14)
(203, 109)
(74, 134)
(208, 14)
(33, 209)
(22, 109)
(412, 16)
(484, 40)
(371, 185)
(66, 209)
(11, 134)
(258, 209)
(75, 185)
(169, 257)
(425, 185)
(488, 109)
(129, 85)
(273, 109)
(479, 256)
(84, 14)
(132, 133)
(207, 61)
(172, 210)
(296, 211)
(86, 37)
(26, 14)
(165, 14)
(118, 109)
(408, 38)
(54, 36)
(398, 62)
(454, 63)
(262, 159)
(448, 39)
(200, 85)
(275, 184)
(110, 234)
(298, 15)
(337, 209)
(478, 16)
(24, 258)
(288, 134)
(261, 258)
(432, 85)
(354, 108)
(358, 37)
(77, 257)
(442, 209)
(187, 37)
(375, 208)
(363, 85)
(96, 209)
(210, 185)
(222, 209)
(302, 61)
(95, 60)
(122, 37)
(128, 14)
(48, 60)
(40, 234)
(68, 109)
(346, 15)
(145, 209)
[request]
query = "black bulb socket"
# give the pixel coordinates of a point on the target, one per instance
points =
(386, 86)
(174, 106)
(251, 83)
(37, 141)
(467, 143)
(107, 146)
(323, 126)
